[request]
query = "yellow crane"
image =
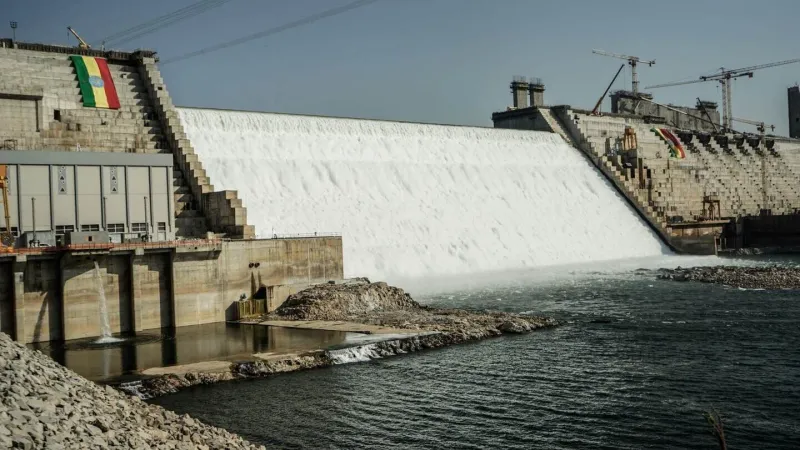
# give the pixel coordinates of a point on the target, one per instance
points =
(6, 237)
(82, 43)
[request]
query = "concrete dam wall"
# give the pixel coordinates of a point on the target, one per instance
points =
(417, 200)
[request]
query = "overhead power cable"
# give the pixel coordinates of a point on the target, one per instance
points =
(162, 21)
(272, 31)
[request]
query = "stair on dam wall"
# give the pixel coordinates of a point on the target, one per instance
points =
(736, 174)
(555, 124)
(198, 207)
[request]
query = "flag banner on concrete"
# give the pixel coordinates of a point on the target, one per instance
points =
(675, 146)
(94, 78)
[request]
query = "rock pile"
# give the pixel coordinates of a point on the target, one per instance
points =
(380, 304)
(340, 301)
(771, 277)
(44, 405)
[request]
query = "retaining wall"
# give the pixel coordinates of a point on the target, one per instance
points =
(52, 296)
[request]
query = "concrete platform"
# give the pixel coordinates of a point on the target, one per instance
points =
(351, 327)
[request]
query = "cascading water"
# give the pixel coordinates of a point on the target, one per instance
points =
(417, 200)
(105, 325)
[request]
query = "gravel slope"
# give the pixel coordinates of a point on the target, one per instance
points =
(43, 405)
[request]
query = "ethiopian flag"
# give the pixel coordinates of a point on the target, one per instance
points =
(94, 78)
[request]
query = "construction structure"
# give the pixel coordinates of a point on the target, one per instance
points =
(725, 79)
(103, 192)
(702, 186)
(633, 61)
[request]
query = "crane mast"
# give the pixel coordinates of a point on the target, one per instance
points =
(633, 61)
(725, 78)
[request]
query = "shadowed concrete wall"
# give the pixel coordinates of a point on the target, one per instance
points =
(285, 266)
(197, 287)
(206, 285)
(7, 299)
(146, 290)
(82, 299)
(151, 291)
(81, 306)
(40, 301)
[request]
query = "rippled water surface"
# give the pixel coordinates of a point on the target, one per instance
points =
(636, 365)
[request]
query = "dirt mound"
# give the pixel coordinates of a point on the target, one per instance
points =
(344, 300)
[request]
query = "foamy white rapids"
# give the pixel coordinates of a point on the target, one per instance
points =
(354, 354)
(419, 200)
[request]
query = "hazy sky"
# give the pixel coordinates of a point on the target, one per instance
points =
(446, 61)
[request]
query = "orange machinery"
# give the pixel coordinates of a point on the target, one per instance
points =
(6, 237)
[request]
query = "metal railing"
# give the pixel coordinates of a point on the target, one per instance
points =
(109, 246)
(319, 234)
(182, 243)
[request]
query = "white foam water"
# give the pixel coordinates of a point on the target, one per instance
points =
(415, 200)
(105, 326)
(354, 354)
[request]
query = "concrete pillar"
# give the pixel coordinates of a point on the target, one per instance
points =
(19, 298)
(519, 91)
(536, 91)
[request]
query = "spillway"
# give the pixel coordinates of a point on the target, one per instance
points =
(417, 200)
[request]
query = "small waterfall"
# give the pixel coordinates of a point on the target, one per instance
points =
(354, 354)
(105, 326)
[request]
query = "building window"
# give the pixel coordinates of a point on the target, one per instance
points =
(57, 115)
(116, 228)
(140, 227)
(162, 226)
(90, 227)
(64, 229)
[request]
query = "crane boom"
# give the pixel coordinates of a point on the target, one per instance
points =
(724, 77)
(633, 61)
(764, 66)
(82, 43)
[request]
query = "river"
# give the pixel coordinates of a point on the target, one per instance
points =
(636, 364)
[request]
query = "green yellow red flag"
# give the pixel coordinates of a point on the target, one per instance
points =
(94, 78)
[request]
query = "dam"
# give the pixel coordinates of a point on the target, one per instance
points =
(175, 215)
(416, 200)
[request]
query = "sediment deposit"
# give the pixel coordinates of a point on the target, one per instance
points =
(45, 405)
(359, 301)
(772, 277)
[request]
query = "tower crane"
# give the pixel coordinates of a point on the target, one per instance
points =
(760, 126)
(633, 61)
(724, 77)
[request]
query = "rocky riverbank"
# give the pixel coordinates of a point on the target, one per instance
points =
(45, 405)
(771, 277)
(361, 302)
